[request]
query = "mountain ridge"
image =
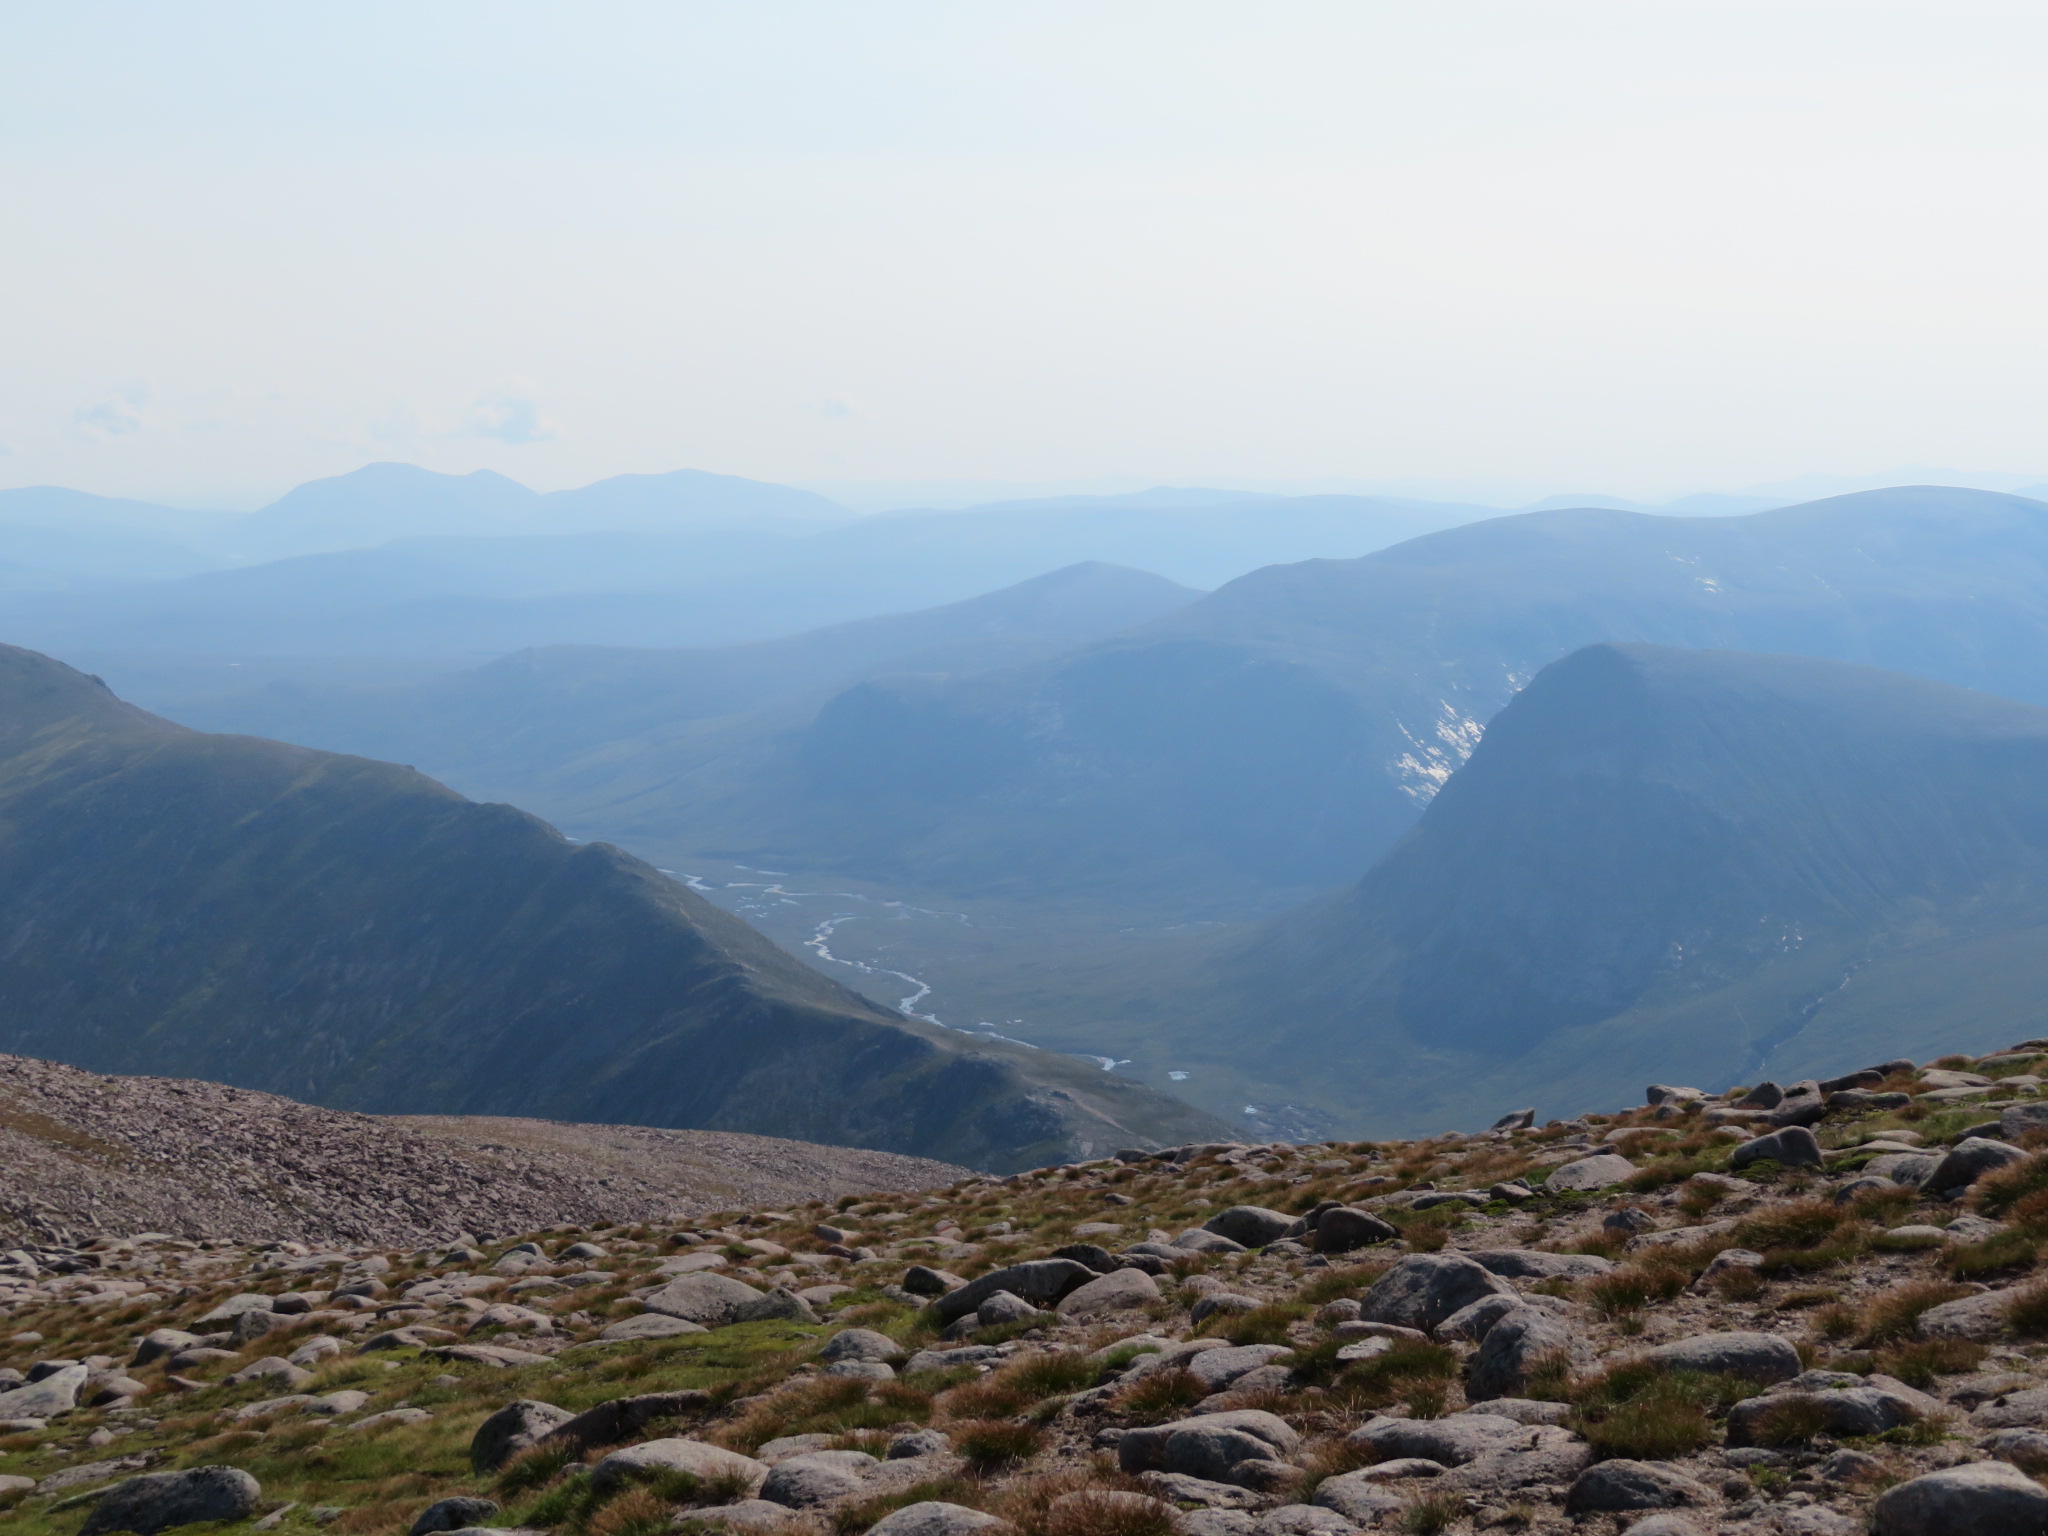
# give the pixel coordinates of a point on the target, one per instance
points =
(355, 934)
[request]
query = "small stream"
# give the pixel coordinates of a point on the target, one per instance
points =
(819, 943)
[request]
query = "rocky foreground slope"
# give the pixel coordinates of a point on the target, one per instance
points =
(1804, 1311)
(84, 1153)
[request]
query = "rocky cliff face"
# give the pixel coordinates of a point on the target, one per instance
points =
(356, 935)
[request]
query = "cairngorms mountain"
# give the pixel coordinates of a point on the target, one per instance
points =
(1704, 867)
(1277, 736)
(354, 934)
(1242, 752)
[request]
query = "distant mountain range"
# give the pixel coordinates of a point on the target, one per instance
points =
(398, 563)
(355, 935)
(1278, 735)
(1699, 867)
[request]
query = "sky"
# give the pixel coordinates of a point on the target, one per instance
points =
(1641, 249)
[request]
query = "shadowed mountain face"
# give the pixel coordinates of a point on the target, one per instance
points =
(354, 934)
(1284, 731)
(1667, 865)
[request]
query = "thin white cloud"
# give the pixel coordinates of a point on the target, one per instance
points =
(509, 414)
(118, 415)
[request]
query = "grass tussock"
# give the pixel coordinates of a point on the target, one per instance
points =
(989, 1445)
(1893, 1315)
(1922, 1362)
(1792, 1420)
(1632, 1287)
(1261, 1325)
(1639, 1410)
(2001, 1255)
(1158, 1397)
(2027, 1311)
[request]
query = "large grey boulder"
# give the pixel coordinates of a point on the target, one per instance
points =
(860, 1344)
(1452, 1442)
(1216, 1441)
(1042, 1282)
(1342, 1229)
(1981, 1317)
(622, 1418)
(1603, 1170)
(712, 1300)
(2018, 1119)
(157, 1501)
(695, 1457)
(647, 1325)
(1425, 1288)
(456, 1514)
(1534, 1264)
(162, 1342)
(1251, 1226)
(1548, 1456)
(45, 1398)
(1216, 1369)
(1358, 1496)
(1793, 1147)
(1624, 1485)
(1983, 1498)
(938, 1518)
(1763, 1357)
(1969, 1160)
(817, 1478)
(1870, 1407)
(2027, 1409)
(1202, 1240)
(512, 1429)
(1520, 1342)
(1912, 1168)
(235, 1306)
(1121, 1290)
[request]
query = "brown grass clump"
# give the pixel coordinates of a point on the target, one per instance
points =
(1894, 1314)
(2027, 1311)
(2003, 1253)
(1632, 1287)
(1792, 1420)
(1432, 1512)
(1919, 1363)
(1158, 1397)
(636, 1512)
(1261, 1325)
(1335, 1283)
(988, 1445)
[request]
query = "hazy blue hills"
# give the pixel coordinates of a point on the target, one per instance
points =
(381, 502)
(1700, 867)
(1278, 735)
(354, 934)
(541, 707)
(397, 562)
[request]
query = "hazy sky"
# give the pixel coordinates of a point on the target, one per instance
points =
(1641, 246)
